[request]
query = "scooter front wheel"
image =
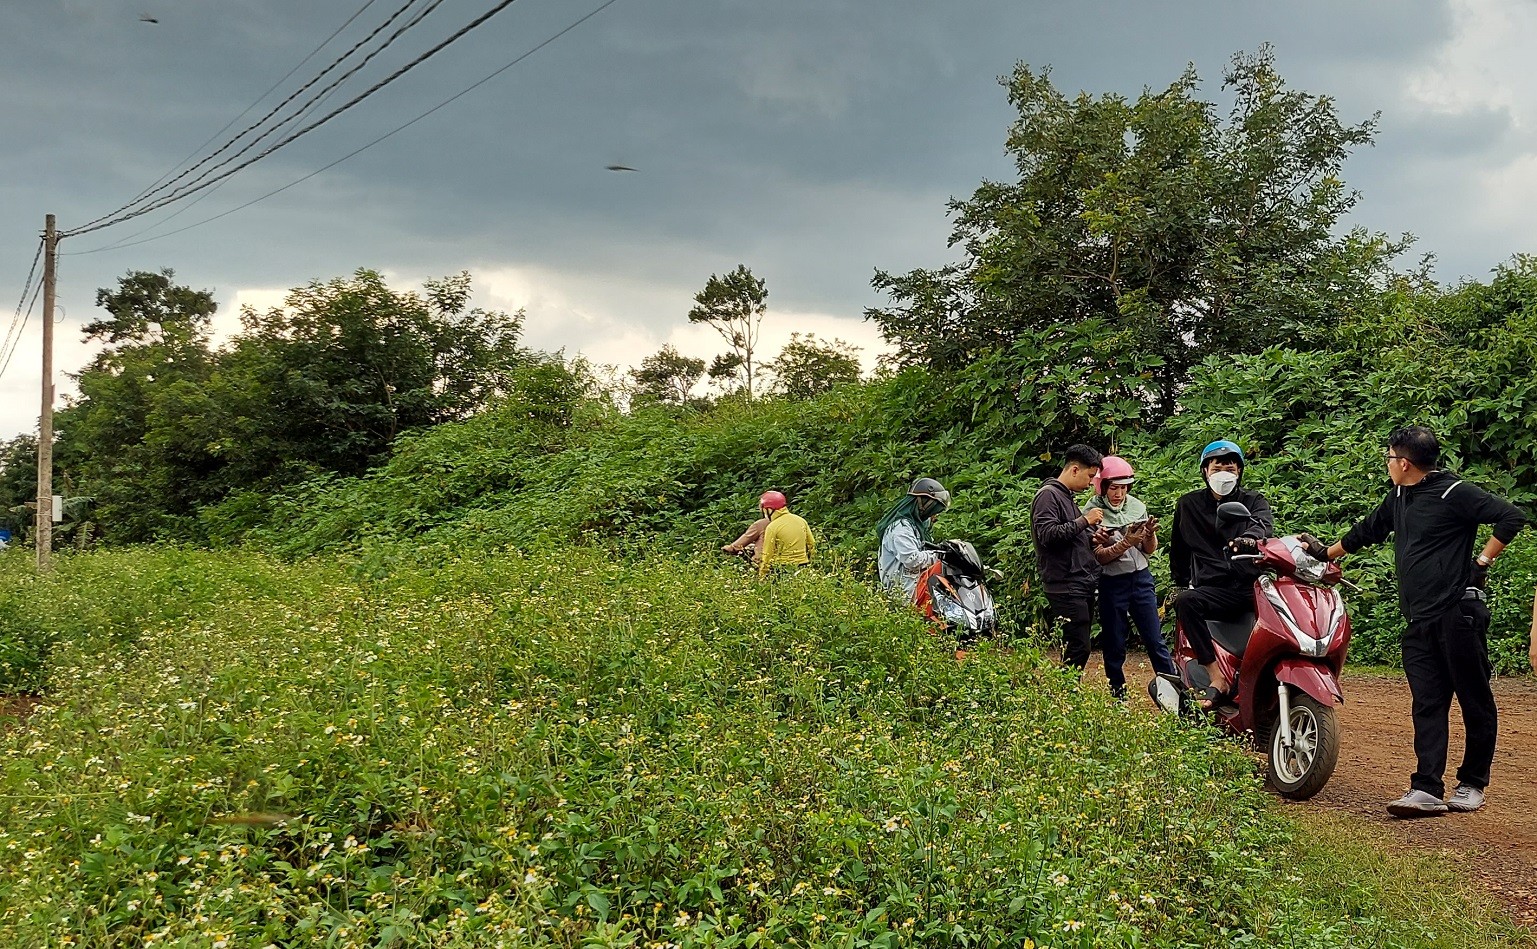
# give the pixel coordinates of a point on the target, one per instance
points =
(1301, 771)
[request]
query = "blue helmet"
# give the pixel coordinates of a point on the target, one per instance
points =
(1221, 449)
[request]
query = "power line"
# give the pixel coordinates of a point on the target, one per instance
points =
(31, 272)
(504, 4)
(129, 240)
(257, 101)
(95, 224)
(399, 128)
(18, 322)
(15, 343)
(192, 189)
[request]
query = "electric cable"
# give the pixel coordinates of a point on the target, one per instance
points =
(474, 24)
(31, 272)
(18, 322)
(399, 128)
(191, 189)
(270, 89)
(277, 108)
(15, 344)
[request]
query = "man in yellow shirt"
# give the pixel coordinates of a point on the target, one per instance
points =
(787, 541)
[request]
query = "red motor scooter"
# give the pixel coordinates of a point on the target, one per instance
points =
(1283, 661)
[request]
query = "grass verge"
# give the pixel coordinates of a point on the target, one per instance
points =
(562, 748)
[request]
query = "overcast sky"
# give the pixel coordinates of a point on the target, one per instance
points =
(813, 140)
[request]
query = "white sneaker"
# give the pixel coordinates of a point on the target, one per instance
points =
(1417, 804)
(1466, 799)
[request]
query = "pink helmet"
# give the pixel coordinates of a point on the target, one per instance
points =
(773, 501)
(1113, 470)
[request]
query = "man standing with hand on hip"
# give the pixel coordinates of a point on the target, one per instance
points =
(1434, 519)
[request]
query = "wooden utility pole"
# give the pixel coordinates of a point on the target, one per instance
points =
(45, 420)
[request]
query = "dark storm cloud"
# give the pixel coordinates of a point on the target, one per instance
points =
(815, 140)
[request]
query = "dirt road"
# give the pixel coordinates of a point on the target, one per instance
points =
(1496, 846)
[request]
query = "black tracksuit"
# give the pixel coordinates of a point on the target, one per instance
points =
(1446, 651)
(1064, 554)
(1198, 559)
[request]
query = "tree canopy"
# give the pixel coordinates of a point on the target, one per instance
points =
(666, 377)
(807, 367)
(733, 305)
(164, 425)
(1181, 231)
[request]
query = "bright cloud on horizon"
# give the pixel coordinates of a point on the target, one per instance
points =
(576, 313)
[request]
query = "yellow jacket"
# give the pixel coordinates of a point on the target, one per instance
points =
(787, 541)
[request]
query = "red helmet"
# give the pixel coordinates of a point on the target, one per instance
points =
(773, 501)
(1113, 470)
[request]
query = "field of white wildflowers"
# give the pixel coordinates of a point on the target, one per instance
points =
(569, 749)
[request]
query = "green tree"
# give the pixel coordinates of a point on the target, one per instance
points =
(808, 367)
(18, 483)
(149, 308)
(127, 439)
(329, 380)
(733, 306)
(164, 427)
(1186, 233)
(666, 376)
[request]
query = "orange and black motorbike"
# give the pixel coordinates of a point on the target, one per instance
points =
(953, 592)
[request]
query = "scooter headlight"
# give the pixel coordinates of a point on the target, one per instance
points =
(951, 610)
(1309, 646)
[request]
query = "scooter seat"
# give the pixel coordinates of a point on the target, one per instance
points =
(1232, 634)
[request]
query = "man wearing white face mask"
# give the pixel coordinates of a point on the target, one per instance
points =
(1207, 584)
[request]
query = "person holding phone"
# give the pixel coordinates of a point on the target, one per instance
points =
(1127, 536)
(1064, 551)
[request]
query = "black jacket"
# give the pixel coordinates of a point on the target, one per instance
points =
(1198, 553)
(1434, 524)
(1064, 542)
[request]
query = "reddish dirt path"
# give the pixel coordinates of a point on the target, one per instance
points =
(1496, 845)
(16, 708)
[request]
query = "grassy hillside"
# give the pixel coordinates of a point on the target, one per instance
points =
(552, 465)
(563, 747)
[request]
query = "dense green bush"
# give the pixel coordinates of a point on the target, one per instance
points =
(660, 479)
(561, 747)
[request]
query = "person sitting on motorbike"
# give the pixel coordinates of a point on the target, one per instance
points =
(750, 538)
(787, 541)
(1126, 537)
(904, 530)
(1207, 584)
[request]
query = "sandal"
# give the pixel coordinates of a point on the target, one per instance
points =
(1213, 698)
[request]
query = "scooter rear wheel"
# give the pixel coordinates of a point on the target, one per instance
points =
(1301, 771)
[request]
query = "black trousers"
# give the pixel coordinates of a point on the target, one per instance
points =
(1072, 608)
(1198, 604)
(1444, 657)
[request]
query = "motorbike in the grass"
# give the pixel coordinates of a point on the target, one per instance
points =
(1282, 660)
(953, 592)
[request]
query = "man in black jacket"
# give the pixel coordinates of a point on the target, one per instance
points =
(1434, 519)
(1064, 550)
(1208, 585)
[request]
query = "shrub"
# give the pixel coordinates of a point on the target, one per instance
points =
(563, 747)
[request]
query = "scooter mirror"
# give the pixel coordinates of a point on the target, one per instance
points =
(1167, 693)
(1232, 519)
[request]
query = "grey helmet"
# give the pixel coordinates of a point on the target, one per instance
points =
(933, 498)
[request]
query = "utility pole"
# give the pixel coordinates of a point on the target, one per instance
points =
(45, 420)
